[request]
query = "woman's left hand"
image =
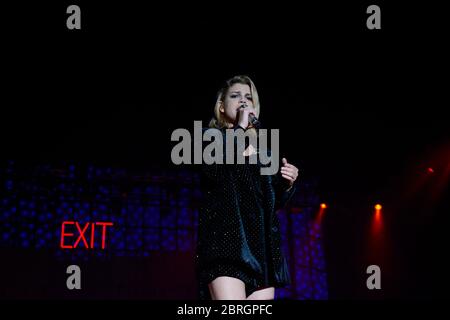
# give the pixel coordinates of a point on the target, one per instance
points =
(289, 172)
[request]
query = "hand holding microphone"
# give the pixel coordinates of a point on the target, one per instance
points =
(246, 116)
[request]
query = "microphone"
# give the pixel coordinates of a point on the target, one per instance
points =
(252, 118)
(254, 121)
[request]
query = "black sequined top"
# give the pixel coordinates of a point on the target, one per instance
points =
(238, 229)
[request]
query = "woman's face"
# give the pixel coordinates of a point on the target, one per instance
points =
(236, 95)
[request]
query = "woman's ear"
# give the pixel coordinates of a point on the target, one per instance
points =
(221, 108)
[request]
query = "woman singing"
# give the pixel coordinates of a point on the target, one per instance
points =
(239, 243)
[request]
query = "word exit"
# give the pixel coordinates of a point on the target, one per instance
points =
(83, 233)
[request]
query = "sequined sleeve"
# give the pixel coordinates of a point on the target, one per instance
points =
(282, 196)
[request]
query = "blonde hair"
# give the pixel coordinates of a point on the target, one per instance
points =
(219, 121)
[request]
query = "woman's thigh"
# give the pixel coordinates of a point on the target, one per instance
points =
(263, 294)
(227, 288)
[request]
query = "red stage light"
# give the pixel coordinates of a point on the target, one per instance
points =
(378, 207)
(323, 206)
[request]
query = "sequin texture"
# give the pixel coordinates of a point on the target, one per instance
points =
(238, 229)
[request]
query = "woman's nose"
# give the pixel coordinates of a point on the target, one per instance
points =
(244, 101)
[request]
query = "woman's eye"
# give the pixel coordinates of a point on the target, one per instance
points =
(250, 98)
(233, 96)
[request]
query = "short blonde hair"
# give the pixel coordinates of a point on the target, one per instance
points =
(219, 121)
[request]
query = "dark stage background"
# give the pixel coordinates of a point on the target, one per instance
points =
(361, 113)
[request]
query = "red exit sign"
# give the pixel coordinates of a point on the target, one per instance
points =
(74, 234)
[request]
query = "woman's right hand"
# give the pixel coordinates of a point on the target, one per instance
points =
(243, 116)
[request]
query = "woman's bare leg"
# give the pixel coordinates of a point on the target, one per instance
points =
(227, 288)
(263, 294)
